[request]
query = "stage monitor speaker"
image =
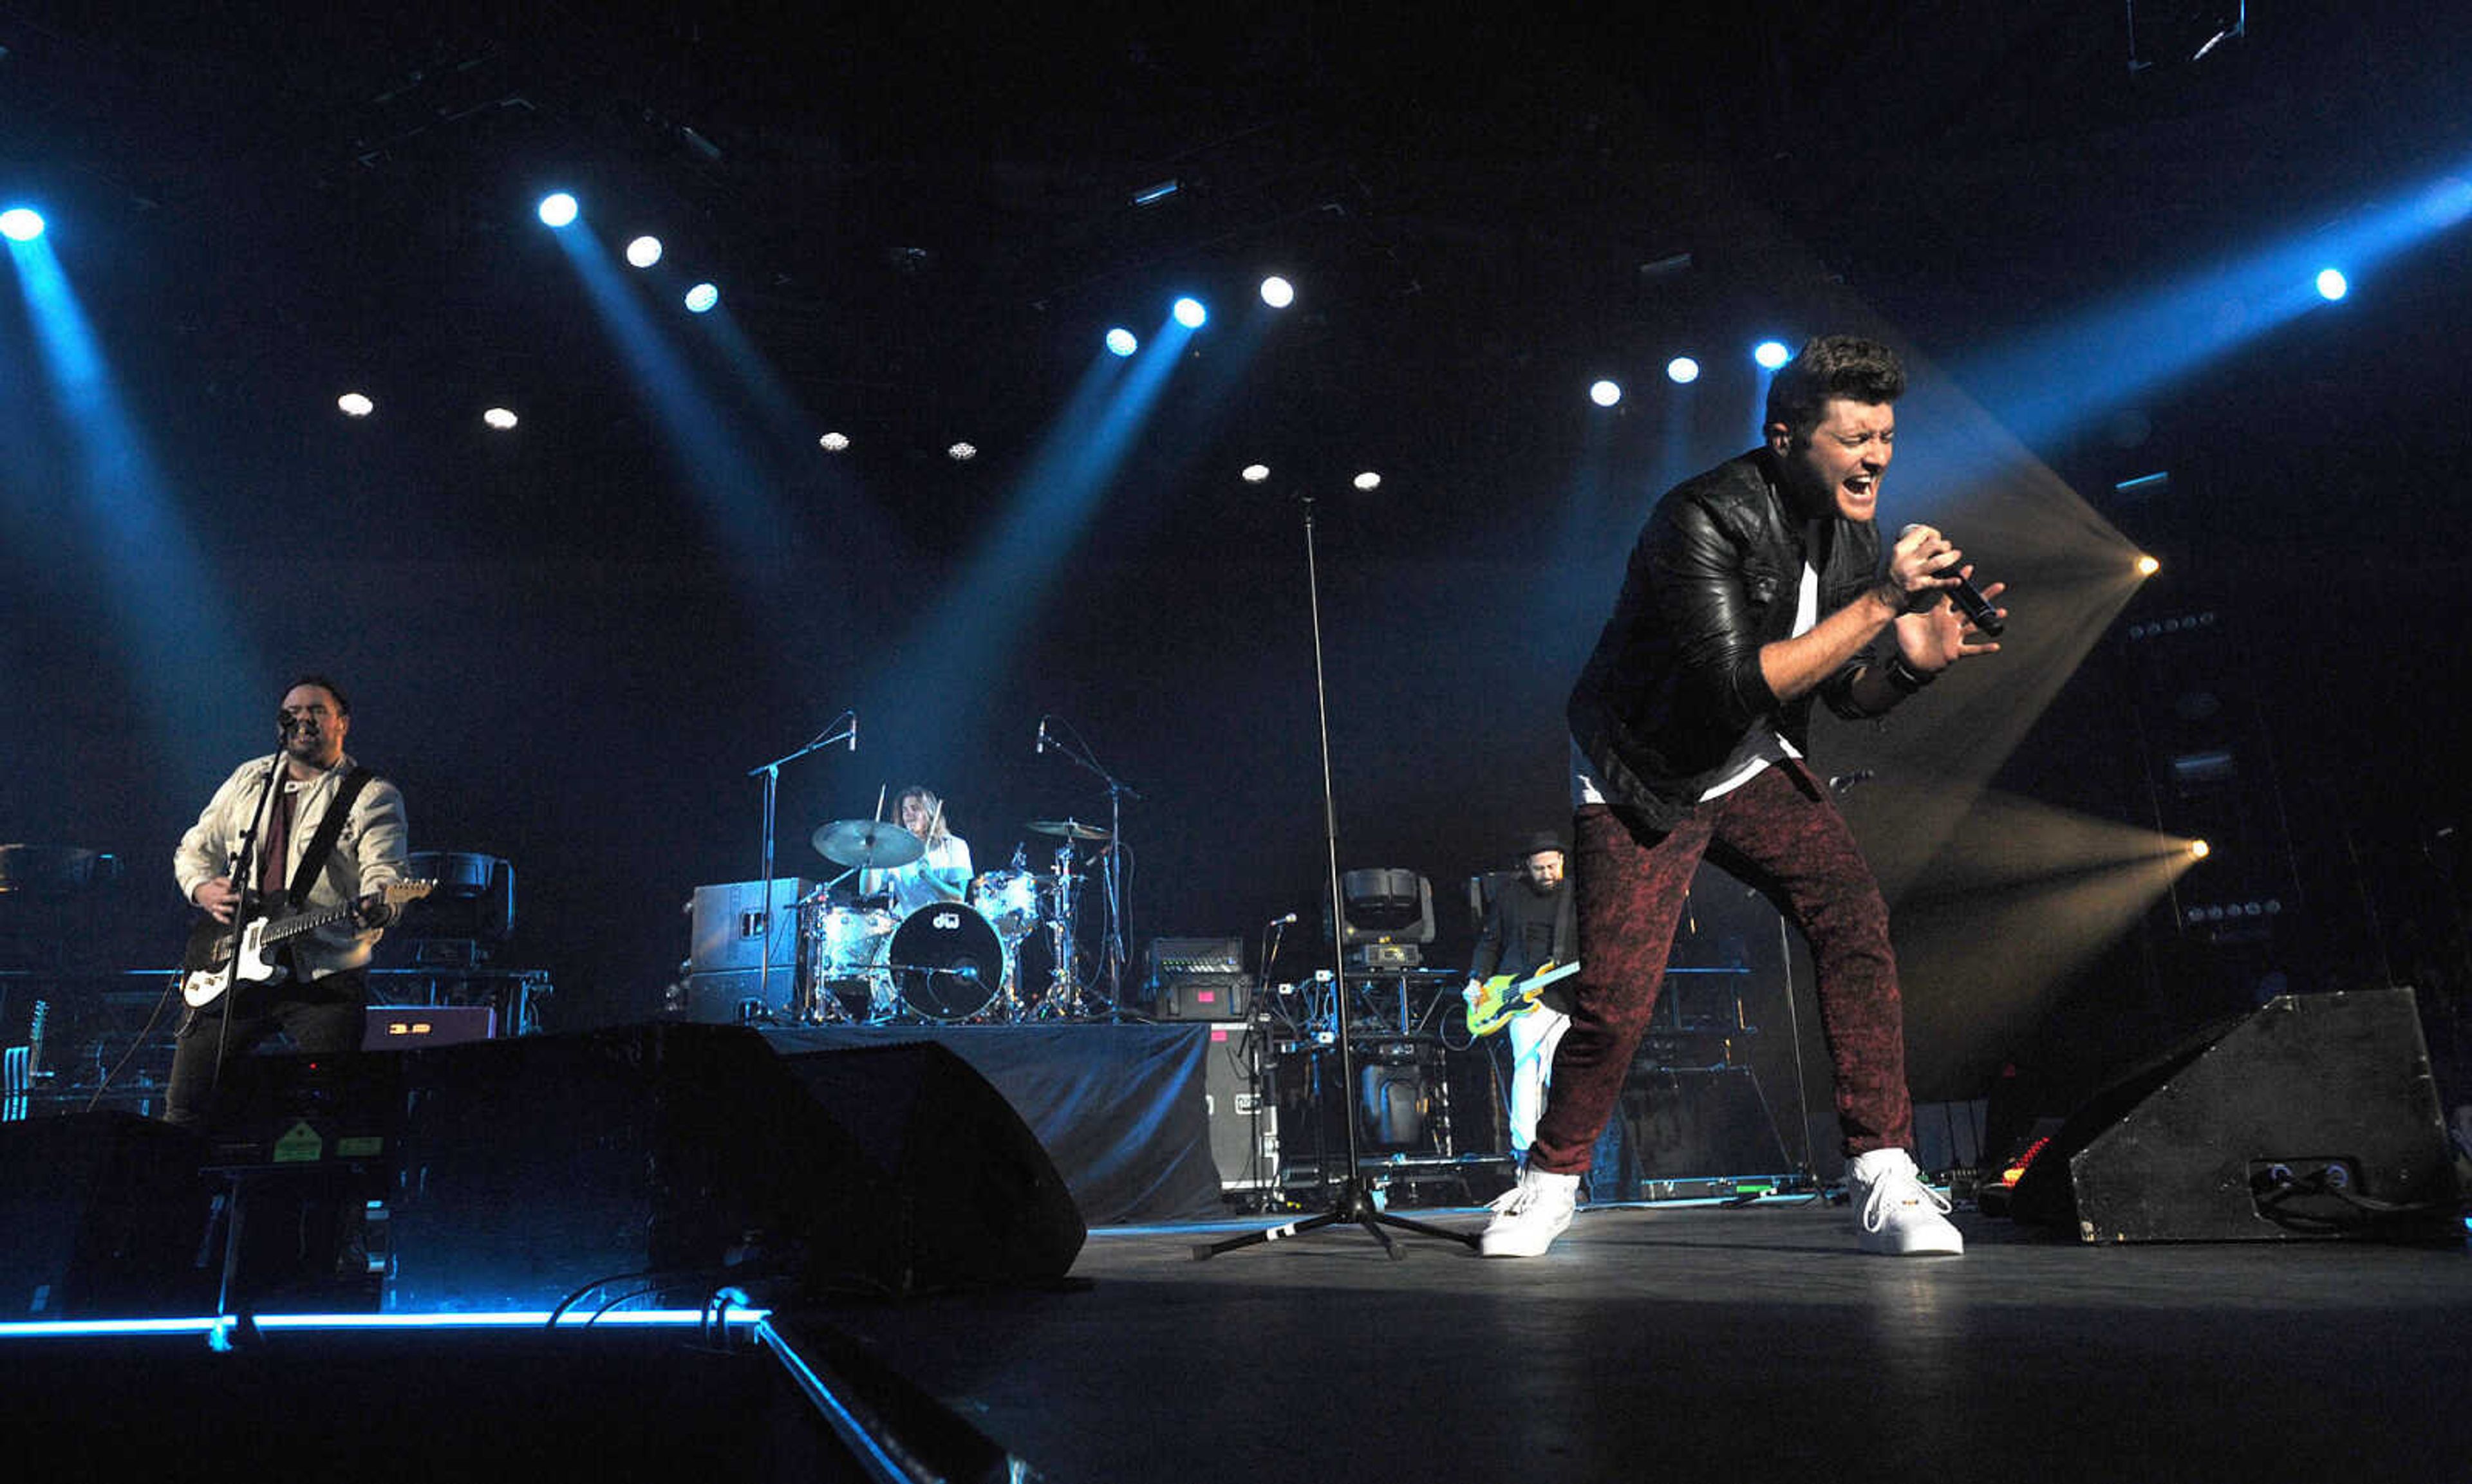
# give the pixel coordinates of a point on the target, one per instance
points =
(2315, 1116)
(1244, 1125)
(728, 925)
(682, 1157)
(101, 1216)
(738, 997)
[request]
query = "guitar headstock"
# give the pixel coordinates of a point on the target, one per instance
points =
(398, 893)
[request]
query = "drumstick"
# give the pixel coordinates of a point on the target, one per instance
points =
(879, 802)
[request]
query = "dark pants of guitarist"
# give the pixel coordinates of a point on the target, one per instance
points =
(321, 1017)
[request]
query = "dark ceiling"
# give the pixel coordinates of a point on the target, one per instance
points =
(924, 220)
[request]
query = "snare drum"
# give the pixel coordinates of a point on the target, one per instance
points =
(1009, 900)
(947, 961)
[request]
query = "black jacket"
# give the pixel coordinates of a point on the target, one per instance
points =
(1674, 682)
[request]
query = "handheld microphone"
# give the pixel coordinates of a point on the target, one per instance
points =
(1970, 601)
(1042, 735)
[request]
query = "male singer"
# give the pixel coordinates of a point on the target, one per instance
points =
(1754, 587)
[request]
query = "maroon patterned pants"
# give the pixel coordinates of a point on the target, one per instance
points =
(1780, 834)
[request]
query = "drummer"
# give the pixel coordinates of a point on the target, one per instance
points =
(941, 875)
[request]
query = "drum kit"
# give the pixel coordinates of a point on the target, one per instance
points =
(961, 962)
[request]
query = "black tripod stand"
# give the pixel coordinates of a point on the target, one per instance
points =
(1350, 1202)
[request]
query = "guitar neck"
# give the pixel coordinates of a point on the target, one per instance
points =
(279, 929)
(287, 927)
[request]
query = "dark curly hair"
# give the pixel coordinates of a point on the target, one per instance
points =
(1833, 366)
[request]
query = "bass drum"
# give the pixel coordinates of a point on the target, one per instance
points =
(947, 961)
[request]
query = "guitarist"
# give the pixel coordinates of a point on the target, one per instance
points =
(1530, 923)
(288, 797)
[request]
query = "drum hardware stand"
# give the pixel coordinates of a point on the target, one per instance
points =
(1062, 1000)
(1350, 1202)
(1113, 959)
(816, 1005)
(771, 772)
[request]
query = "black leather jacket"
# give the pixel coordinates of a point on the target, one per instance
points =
(1674, 682)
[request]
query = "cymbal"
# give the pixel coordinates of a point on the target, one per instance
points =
(870, 843)
(1070, 828)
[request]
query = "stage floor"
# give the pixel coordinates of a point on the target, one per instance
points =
(1708, 1342)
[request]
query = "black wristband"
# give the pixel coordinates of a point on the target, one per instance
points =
(1904, 677)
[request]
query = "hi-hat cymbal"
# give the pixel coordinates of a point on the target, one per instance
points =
(869, 843)
(1070, 828)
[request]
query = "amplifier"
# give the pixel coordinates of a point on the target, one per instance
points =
(1198, 979)
(1224, 956)
(1202, 997)
(399, 1027)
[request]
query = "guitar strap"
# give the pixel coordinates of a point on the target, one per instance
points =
(330, 829)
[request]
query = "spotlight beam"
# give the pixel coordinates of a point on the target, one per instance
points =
(2166, 332)
(705, 449)
(962, 639)
(181, 630)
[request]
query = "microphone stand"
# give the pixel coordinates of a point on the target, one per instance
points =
(1349, 1202)
(1111, 886)
(801, 1008)
(236, 871)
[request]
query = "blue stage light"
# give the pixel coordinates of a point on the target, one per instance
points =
(21, 224)
(701, 298)
(1122, 342)
(1190, 314)
(1605, 393)
(1683, 370)
(644, 251)
(2332, 284)
(559, 209)
(1278, 291)
(1771, 354)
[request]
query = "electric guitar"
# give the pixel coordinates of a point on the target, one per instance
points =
(1501, 1001)
(210, 967)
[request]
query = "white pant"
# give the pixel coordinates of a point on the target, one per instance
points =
(1533, 1039)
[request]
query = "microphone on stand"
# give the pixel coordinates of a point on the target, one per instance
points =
(1282, 922)
(853, 738)
(1842, 781)
(1042, 733)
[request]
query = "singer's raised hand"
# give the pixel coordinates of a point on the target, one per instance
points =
(1940, 636)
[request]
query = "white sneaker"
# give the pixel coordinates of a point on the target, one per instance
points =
(1527, 1216)
(1897, 1214)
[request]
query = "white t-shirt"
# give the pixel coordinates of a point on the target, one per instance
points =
(913, 888)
